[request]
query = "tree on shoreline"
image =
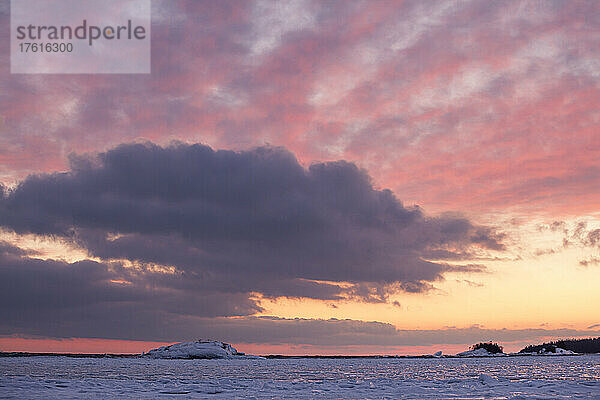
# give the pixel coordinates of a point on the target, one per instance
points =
(589, 345)
(489, 346)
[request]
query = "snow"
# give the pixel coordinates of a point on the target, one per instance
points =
(561, 351)
(558, 351)
(534, 377)
(199, 349)
(488, 380)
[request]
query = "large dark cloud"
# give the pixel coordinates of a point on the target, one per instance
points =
(238, 214)
(229, 225)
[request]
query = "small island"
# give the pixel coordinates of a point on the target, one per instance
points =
(484, 349)
(200, 349)
(567, 346)
(559, 347)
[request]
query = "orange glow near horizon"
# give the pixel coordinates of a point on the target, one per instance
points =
(77, 345)
(511, 295)
(110, 346)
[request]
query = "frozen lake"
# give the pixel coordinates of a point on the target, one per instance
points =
(537, 377)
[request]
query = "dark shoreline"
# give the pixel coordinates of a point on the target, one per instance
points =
(270, 356)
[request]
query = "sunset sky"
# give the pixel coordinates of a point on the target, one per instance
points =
(310, 177)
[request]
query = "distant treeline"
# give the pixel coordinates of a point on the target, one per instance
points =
(576, 345)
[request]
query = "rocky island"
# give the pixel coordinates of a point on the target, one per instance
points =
(200, 349)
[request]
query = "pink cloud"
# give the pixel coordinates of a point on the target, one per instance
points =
(474, 106)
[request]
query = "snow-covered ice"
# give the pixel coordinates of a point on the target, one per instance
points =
(480, 353)
(559, 351)
(533, 377)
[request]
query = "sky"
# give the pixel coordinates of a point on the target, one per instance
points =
(310, 177)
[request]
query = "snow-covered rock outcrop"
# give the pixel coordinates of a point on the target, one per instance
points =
(563, 351)
(557, 351)
(198, 349)
(480, 353)
(550, 351)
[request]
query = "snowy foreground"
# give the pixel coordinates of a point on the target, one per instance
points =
(440, 378)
